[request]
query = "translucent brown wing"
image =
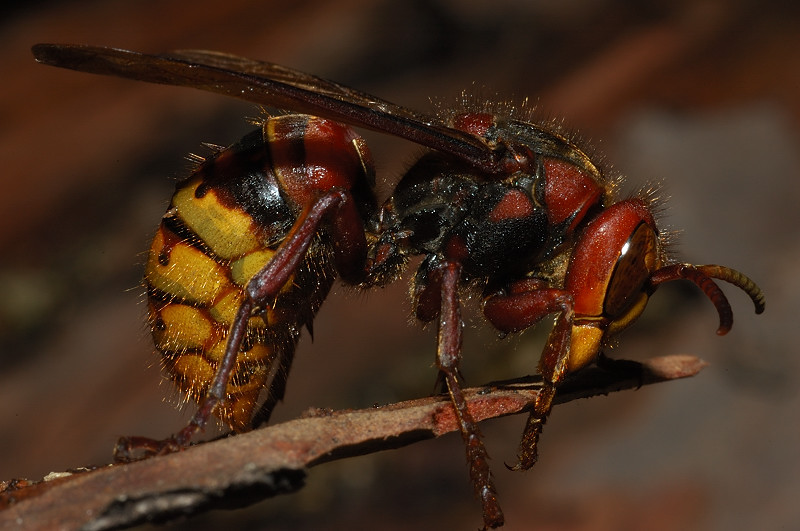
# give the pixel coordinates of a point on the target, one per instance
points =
(275, 86)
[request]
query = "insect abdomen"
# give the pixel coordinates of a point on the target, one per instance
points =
(224, 224)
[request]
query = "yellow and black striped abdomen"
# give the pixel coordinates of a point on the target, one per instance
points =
(223, 225)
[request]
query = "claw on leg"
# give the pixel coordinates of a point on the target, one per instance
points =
(527, 454)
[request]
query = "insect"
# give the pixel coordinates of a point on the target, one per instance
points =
(255, 236)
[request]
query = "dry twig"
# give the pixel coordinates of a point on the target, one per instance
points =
(241, 470)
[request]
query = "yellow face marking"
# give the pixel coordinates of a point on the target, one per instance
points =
(585, 344)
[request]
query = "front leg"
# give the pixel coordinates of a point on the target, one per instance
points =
(553, 367)
(523, 304)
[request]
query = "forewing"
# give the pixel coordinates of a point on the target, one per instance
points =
(274, 86)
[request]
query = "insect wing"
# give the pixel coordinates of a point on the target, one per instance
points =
(274, 86)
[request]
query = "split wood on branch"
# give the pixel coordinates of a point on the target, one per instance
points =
(241, 470)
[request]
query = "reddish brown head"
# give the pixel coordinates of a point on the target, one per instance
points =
(617, 264)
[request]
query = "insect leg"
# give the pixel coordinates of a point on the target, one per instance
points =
(350, 249)
(553, 367)
(521, 305)
(261, 289)
(448, 357)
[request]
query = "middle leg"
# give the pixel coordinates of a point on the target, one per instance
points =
(448, 357)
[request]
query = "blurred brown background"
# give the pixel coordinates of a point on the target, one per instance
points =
(702, 95)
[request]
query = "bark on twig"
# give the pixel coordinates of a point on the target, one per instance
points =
(241, 470)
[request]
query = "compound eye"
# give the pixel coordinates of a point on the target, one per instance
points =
(637, 260)
(615, 256)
